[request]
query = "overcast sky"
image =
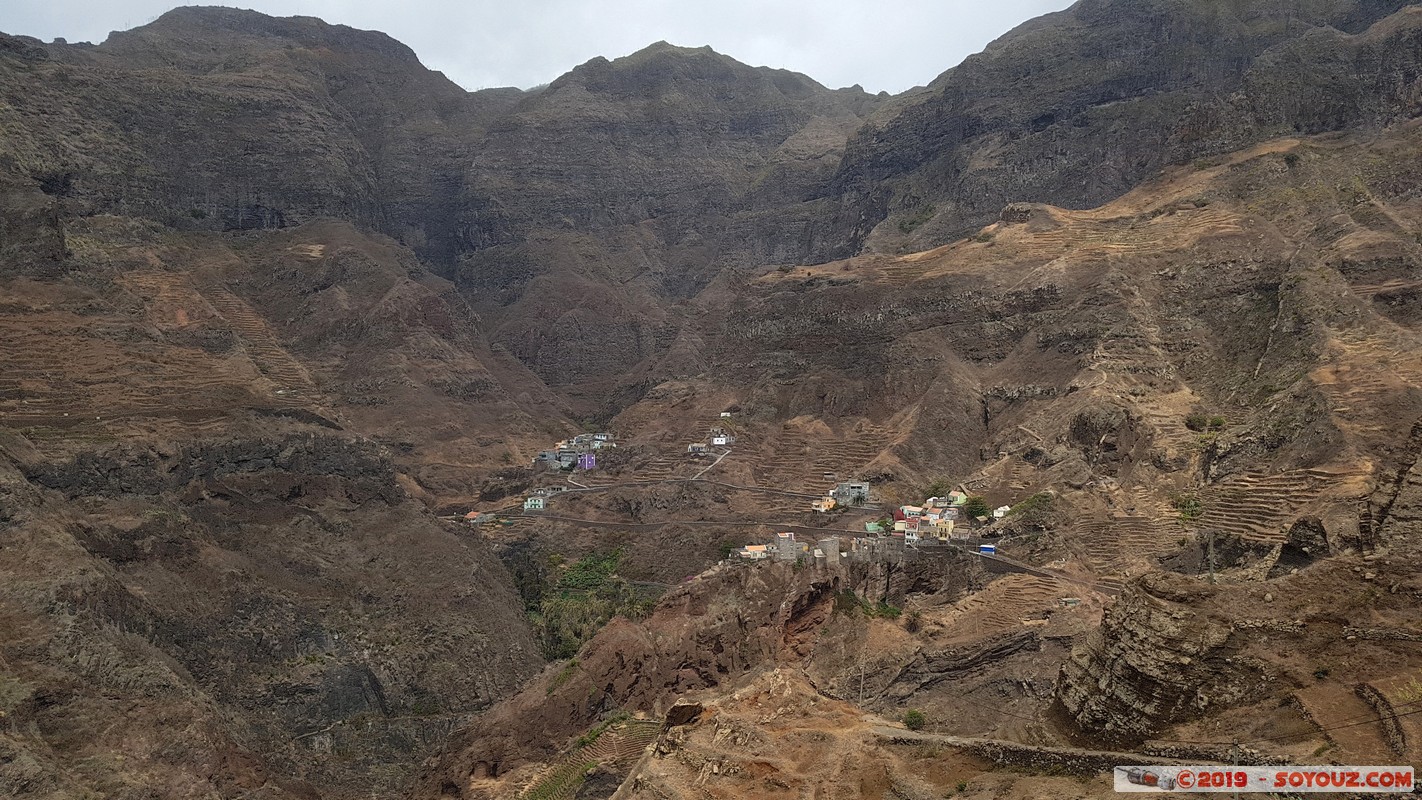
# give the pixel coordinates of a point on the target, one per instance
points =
(888, 46)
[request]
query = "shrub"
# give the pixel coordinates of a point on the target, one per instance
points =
(1197, 422)
(914, 719)
(976, 506)
(913, 621)
(1189, 506)
(846, 602)
(914, 222)
(1035, 510)
(938, 488)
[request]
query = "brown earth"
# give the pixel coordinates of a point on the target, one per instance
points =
(273, 295)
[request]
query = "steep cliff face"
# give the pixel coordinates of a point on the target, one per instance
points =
(708, 633)
(216, 118)
(280, 601)
(1077, 107)
(1156, 661)
(216, 436)
(578, 216)
(198, 532)
(627, 183)
(31, 229)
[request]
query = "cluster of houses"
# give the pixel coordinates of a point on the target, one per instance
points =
(784, 548)
(937, 518)
(579, 452)
(719, 437)
(834, 550)
(537, 500)
(844, 494)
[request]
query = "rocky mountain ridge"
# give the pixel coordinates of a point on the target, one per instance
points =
(273, 293)
(599, 202)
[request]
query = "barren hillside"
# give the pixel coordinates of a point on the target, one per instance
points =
(279, 307)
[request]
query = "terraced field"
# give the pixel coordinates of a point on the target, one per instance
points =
(798, 464)
(1336, 709)
(617, 748)
(1260, 507)
(1124, 545)
(156, 352)
(1002, 606)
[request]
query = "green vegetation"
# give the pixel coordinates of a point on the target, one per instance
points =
(589, 572)
(563, 675)
(1035, 510)
(976, 506)
(913, 223)
(984, 237)
(938, 488)
(1189, 506)
(583, 597)
(1292, 159)
(1410, 692)
(1201, 423)
(913, 621)
(593, 733)
(847, 602)
(914, 719)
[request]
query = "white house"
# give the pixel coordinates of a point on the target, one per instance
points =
(534, 503)
(1000, 512)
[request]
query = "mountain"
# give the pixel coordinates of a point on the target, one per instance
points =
(1075, 108)
(279, 305)
(623, 187)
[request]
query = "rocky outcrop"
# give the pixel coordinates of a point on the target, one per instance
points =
(280, 600)
(244, 121)
(705, 634)
(1155, 660)
(144, 471)
(1185, 80)
(31, 230)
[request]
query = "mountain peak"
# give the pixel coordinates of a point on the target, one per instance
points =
(191, 28)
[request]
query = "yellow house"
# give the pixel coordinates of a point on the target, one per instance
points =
(823, 504)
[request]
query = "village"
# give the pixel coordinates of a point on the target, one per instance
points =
(936, 522)
(956, 517)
